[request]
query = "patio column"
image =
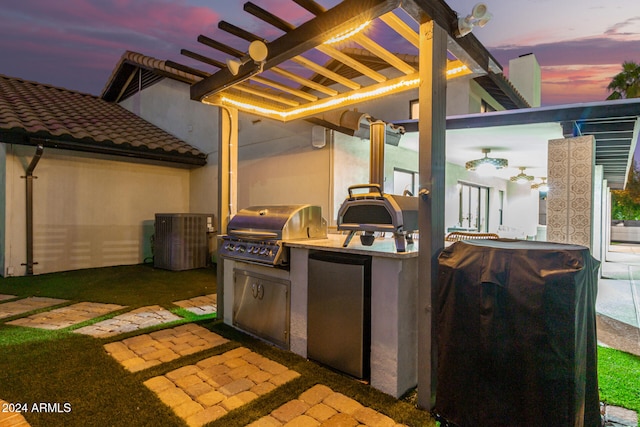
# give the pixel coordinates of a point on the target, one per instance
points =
(570, 197)
(432, 127)
(227, 186)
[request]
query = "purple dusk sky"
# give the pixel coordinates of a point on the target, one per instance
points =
(580, 44)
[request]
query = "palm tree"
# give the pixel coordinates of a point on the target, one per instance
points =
(626, 84)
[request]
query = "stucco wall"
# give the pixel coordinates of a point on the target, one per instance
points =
(3, 205)
(88, 212)
(167, 105)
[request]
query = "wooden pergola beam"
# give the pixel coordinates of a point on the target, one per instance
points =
(202, 58)
(297, 41)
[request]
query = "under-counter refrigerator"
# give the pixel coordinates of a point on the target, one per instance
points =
(339, 311)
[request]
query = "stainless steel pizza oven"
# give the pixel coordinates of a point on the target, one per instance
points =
(257, 234)
(378, 212)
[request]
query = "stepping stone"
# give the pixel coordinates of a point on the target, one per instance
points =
(140, 318)
(5, 296)
(320, 405)
(143, 351)
(14, 308)
(9, 418)
(206, 391)
(206, 304)
(66, 316)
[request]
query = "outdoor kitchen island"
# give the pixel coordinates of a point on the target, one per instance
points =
(393, 304)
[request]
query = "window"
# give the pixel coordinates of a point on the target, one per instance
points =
(405, 180)
(473, 213)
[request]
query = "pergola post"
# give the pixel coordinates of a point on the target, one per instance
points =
(227, 185)
(432, 127)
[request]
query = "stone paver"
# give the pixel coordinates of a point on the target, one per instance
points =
(15, 308)
(206, 391)
(5, 297)
(132, 321)
(143, 351)
(321, 406)
(202, 305)
(66, 316)
(8, 418)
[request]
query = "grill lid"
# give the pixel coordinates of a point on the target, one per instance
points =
(278, 222)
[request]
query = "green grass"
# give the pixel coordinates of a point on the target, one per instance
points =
(619, 378)
(134, 285)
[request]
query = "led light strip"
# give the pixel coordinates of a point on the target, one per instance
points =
(405, 84)
(346, 35)
(352, 97)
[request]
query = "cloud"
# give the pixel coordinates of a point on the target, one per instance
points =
(81, 40)
(617, 28)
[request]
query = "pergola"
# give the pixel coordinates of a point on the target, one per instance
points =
(275, 86)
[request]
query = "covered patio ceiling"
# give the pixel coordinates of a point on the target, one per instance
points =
(308, 70)
(521, 135)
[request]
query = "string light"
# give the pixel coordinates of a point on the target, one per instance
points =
(347, 34)
(409, 82)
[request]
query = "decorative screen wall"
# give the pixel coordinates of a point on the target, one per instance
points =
(570, 198)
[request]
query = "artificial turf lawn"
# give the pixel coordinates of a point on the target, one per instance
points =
(62, 367)
(619, 378)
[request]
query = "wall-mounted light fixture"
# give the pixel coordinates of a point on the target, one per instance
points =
(542, 187)
(522, 178)
(486, 165)
(258, 52)
(478, 18)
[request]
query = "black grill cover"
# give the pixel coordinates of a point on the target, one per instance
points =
(516, 331)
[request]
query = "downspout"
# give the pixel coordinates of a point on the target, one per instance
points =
(29, 177)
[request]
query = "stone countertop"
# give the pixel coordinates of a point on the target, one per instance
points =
(382, 247)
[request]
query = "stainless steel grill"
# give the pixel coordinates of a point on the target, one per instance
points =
(257, 234)
(378, 212)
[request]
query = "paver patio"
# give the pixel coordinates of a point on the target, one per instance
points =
(143, 351)
(14, 308)
(11, 419)
(141, 318)
(202, 305)
(320, 405)
(66, 316)
(5, 297)
(206, 391)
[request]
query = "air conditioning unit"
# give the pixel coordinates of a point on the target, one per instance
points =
(182, 241)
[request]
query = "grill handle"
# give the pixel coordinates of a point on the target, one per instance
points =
(369, 186)
(254, 234)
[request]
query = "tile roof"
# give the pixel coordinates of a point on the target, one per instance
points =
(32, 113)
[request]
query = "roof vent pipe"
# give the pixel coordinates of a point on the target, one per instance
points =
(29, 177)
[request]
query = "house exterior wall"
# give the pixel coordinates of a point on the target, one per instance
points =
(3, 206)
(277, 164)
(167, 105)
(88, 212)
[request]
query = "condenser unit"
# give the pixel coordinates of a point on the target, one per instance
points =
(181, 241)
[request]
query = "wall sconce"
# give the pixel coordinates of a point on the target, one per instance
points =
(258, 52)
(522, 178)
(542, 187)
(486, 165)
(478, 18)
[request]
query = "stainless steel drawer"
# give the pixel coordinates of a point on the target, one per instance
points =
(261, 306)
